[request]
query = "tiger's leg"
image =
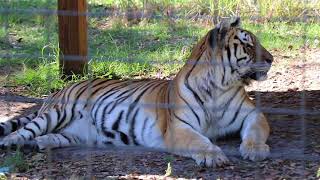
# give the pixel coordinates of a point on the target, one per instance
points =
(14, 124)
(186, 141)
(254, 134)
(40, 125)
(57, 140)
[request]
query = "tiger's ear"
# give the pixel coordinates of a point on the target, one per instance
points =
(235, 22)
(224, 26)
(216, 36)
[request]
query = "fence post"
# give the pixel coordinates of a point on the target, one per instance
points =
(73, 40)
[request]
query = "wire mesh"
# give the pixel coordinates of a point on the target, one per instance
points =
(50, 34)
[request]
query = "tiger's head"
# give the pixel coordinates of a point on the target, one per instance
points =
(237, 51)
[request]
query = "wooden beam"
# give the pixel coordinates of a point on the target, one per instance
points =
(73, 40)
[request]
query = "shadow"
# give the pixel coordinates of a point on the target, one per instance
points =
(15, 106)
(294, 118)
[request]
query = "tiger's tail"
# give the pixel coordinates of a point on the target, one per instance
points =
(12, 125)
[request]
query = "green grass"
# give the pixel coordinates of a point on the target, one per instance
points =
(144, 49)
(284, 8)
(16, 162)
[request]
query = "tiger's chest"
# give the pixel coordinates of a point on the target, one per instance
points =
(222, 122)
(225, 116)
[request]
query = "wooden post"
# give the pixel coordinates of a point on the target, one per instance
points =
(73, 40)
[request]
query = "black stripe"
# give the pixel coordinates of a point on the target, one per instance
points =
(66, 137)
(81, 91)
(244, 50)
(98, 89)
(38, 126)
(214, 86)
(57, 138)
(58, 114)
(67, 93)
(28, 118)
(70, 90)
(195, 95)
(104, 129)
(1, 131)
(156, 85)
(176, 116)
(236, 113)
(115, 126)
(235, 49)
(124, 138)
(240, 59)
(14, 125)
(23, 137)
(206, 91)
(229, 101)
(132, 127)
(78, 94)
(109, 134)
(31, 130)
(229, 59)
(169, 109)
(76, 139)
(114, 105)
(144, 128)
(47, 119)
(120, 100)
(228, 52)
(102, 82)
(18, 121)
(113, 90)
(134, 103)
(106, 95)
(224, 69)
(107, 142)
(61, 119)
(197, 117)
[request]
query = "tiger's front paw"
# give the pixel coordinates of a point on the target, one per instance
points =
(11, 140)
(211, 157)
(254, 151)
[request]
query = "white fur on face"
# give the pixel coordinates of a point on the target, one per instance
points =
(245, 37)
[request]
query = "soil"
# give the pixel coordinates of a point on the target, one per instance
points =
(290, 99)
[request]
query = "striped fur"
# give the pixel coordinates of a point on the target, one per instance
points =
(206, 100)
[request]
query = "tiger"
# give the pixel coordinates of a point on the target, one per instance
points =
(183, 116)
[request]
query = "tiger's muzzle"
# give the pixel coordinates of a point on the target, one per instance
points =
(260, 69)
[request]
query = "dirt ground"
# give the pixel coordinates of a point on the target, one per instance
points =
(290, 98)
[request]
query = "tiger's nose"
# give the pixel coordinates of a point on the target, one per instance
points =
(269, 60)
(268, 57)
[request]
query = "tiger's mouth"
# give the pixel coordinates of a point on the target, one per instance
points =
(258, 76)
(259, 71)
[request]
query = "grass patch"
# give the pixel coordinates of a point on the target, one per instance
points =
(284, 35)
(263, 8)
(16, 162)
(140, 49)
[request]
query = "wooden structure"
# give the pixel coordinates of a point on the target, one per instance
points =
(72, 18)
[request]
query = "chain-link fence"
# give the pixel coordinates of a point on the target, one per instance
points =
(154, 39)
